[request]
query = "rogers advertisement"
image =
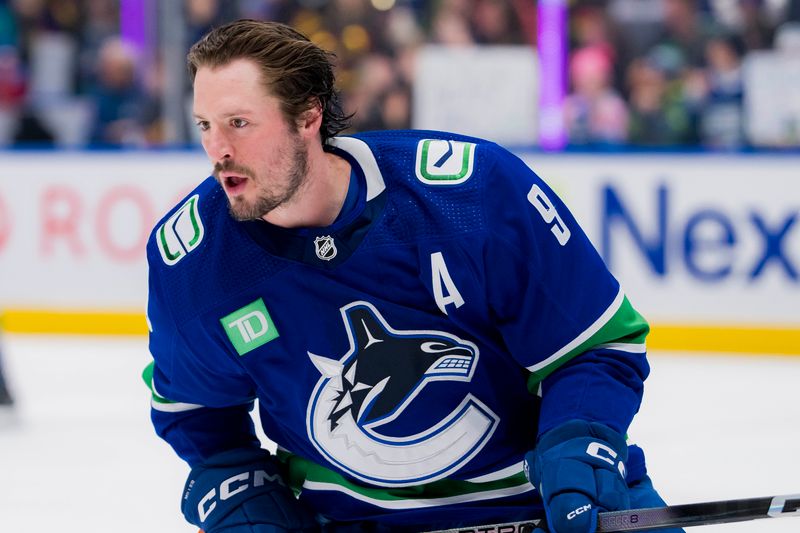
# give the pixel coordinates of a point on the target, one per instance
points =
(73, 226)
(694, 238)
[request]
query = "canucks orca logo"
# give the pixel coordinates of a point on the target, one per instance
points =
(371, 385)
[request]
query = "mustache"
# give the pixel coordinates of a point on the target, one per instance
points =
(230, 166)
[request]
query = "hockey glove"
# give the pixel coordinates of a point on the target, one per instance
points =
(242, 491)
(579, 470)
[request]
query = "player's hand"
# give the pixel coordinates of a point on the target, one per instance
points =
(242, 491)
(579, 470)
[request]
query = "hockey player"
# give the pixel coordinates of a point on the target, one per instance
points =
(6, 400)
(432, 340)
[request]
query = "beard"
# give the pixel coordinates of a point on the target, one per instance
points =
(267, 200)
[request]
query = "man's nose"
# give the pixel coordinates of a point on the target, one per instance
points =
(218, 147)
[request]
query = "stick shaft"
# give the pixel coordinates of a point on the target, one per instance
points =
(673, 516)
(699, 514)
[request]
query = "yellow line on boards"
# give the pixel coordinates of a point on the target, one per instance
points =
(74, 322)
(725, 338)
(728, 338)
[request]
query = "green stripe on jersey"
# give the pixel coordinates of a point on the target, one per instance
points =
(303, 472)
(147, 376)
(620, 325)
(160, 403)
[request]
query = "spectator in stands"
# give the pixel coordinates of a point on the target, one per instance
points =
(658, 114)
(376, 75)
(722, 119)
(495, 22)
(755, 28)
(396, 107)
(590, 25)
(595, 113)
(20, 122)
(100, 22)
(450, 26)
(118, 97)
(685, 27)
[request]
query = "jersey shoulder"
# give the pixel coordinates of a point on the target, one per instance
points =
(198, 255)
(183, 229)
(436, 181)
(437, 158)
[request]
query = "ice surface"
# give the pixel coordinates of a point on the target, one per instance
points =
(80, 455)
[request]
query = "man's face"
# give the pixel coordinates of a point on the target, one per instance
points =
(258, 158)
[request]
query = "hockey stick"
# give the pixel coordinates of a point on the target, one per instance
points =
(654, 518)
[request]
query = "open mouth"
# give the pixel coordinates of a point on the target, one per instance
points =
(234, 184)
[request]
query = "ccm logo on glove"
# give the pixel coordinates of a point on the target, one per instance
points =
(230, 488)
(580, 510)
(605, 453)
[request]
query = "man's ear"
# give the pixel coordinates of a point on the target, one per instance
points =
(310, 120)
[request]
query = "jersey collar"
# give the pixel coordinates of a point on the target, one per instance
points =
(330, 246)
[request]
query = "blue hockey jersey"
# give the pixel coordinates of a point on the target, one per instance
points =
(406, 357)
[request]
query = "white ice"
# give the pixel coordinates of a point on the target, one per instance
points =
(79, 454)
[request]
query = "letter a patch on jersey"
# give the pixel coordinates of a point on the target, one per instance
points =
(444, 290)
(181, 233)
(441, 162)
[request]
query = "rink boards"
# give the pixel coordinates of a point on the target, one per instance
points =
(707, 246)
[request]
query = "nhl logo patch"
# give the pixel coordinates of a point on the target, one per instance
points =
(325, 247)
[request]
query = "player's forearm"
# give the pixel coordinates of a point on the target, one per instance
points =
(600, 385)
(201, 433)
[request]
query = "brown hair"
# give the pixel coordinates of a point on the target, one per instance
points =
(295, 70)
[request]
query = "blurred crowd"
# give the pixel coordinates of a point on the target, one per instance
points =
(669, 72)
(653, 73)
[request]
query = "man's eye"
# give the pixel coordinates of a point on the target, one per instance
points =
(239, 123)
(202, 125)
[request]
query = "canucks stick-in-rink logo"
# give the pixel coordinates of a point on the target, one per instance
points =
(442, 162)
(181, 233)
(380, 375)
